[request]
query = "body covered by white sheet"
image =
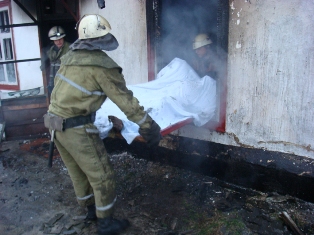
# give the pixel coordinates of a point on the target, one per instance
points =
(177, 94)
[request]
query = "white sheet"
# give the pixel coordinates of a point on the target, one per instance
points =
(176, 94)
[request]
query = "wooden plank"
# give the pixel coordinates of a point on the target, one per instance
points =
(25, 130)
(26, 137)
(24, 117)
(22, 107)
(20, 115)
(24, 100)
(26, 122)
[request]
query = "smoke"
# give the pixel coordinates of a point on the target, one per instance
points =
(181, 21)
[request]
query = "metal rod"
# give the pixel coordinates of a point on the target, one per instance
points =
(51, 148)
(17, 61)
(287, 219)
(17, 25)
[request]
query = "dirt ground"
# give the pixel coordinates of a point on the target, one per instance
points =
(157, 199)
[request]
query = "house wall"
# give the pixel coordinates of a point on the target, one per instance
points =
(270, 70)
(270, 96)
(26, 43)
(128, 22)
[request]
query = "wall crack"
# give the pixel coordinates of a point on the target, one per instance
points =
(308, 147)
(237, 140)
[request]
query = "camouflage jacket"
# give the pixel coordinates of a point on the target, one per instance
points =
(85, 79)
(54, 58)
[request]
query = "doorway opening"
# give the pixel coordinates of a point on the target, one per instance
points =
(63, 13)
(171, 29)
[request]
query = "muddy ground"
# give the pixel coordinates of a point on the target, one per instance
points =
(157, 199)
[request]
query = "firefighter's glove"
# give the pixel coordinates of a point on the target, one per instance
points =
(117, 124)
(151, 135)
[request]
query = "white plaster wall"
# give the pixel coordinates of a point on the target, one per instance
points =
(270, 102)
(128, 22)
(26, 44)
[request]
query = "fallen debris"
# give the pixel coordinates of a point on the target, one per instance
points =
(288, 220)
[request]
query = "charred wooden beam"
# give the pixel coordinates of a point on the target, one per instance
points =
(66, 6)
(288, 220)
(25, 10)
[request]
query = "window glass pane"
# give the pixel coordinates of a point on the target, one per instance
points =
(0, 51)
(2, 77)
(8, 55)
(11, 72)
(7, 22)
(4, 20)
(1, 20)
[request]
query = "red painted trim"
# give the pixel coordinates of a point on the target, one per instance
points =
(7, 3)
(176, 126)
(223, 106)
(9, 87)
(166, 130)
(151, 60)
(219, 126)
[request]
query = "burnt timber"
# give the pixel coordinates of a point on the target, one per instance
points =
(23, 117)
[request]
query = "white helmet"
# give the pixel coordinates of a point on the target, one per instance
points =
(56, 33)
(92, 26)
(201, 40)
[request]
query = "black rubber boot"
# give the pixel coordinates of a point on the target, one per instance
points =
(110, 226)
(91, 213)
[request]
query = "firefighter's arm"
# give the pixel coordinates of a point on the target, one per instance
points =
(115, 89)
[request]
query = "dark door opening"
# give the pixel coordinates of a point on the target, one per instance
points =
(63, 13)
(172, 26)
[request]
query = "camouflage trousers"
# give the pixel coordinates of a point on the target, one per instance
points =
(89, 167)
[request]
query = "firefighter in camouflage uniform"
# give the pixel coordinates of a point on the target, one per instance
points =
(59, 48)
(88, 76)
(205, 62)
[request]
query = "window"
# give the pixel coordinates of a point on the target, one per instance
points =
(4, 20)
(172, 26)
(7, 70)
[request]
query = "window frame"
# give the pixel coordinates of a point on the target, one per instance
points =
(6, 4)
(153, 17)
